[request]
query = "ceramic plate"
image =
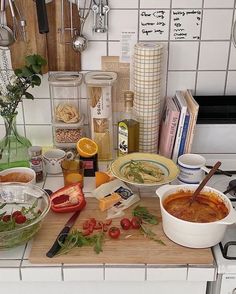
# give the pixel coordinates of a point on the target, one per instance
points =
(168, 168)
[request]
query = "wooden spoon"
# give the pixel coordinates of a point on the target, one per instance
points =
(204, 181)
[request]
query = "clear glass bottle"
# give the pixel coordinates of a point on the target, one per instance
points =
(128, 127)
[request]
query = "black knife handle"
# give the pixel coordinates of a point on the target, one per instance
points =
(42, 16)
(56, 246)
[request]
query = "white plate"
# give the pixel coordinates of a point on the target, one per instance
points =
(167, 166)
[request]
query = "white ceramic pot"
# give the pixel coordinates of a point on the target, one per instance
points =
(190, 234)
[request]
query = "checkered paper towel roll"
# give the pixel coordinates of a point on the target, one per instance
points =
(147, 88)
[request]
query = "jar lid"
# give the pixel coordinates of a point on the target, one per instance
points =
(35, 150)
(65, 79)
(101, 78)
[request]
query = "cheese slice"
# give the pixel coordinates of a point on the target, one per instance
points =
(108, 201)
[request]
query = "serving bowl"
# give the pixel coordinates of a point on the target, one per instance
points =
(166, 166)
(194, 234)
(22, 210)
(18, 174)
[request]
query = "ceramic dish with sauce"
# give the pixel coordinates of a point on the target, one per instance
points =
(144, 169)
(18, 174)
(197, 225)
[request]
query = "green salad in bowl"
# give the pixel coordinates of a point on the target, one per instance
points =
(22, 209)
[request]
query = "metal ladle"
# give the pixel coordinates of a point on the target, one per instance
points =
(6, 34)
(80, 42)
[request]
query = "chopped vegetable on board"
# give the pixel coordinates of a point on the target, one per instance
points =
(68, 199)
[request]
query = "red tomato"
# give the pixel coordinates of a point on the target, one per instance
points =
(86, 224)
(20, 219)
(136, 222)
(108, 222)
(114, 232)
(15, 213)
(6, 218)
(125, 223)
(98, 226)
(86, 232)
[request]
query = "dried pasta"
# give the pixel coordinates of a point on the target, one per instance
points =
(143, 172)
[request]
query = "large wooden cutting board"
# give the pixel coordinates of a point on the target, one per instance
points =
(54, 46)
(133, 250)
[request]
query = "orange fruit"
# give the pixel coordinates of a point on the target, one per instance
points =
(86, 147)
(101, 178)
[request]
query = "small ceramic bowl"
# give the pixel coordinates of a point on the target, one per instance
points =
(19, 175)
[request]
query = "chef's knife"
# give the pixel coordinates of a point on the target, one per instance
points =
(62, 235)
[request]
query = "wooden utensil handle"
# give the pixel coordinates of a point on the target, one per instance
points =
(204, 181)
(42, 16)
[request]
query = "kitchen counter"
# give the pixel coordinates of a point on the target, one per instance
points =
(19, 275)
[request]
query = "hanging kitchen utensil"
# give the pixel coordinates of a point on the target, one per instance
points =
(21, 21)
(100, 16)
(6, 34)
(80, 42)
(42, 16)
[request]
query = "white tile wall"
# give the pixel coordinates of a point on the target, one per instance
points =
(183, 55)
(205, 65)
(124, 273)
(215, 29)
(213, 55)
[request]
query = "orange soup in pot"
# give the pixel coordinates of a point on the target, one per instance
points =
(208, 207)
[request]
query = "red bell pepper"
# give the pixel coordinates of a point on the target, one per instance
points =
(68, 199)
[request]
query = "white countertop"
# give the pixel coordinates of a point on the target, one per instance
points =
(15, 266)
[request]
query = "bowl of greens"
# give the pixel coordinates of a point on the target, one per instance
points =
(22, 210)
(144, 169)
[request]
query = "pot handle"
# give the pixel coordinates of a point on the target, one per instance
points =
(163, 189)
(230, 219)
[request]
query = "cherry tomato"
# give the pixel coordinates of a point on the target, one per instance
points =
(114, 232)
(15, 213)
(108, 222)
(86, 232)
(98, 226)
(6, 218)
(125, 223)
(86, 225)
(20, 219)
(136, 222)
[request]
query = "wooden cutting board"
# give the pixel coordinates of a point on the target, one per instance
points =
(133, 250)
(54, 46)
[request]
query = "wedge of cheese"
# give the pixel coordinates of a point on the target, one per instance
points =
(108, 201)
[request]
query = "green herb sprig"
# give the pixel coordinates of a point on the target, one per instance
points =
(143, 213)
(23, 78)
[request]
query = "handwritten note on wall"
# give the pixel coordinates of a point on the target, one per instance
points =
(154, 25)
(185, 24)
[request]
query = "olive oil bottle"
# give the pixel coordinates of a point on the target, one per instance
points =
(128, 127)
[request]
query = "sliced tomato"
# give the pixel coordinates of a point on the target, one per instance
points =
(68, 199)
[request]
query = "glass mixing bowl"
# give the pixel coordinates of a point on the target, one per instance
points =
(22, 210)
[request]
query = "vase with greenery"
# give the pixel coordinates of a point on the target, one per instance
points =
(13, 146)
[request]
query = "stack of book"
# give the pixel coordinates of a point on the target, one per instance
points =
(178, 125)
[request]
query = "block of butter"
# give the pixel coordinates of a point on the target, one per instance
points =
(108, 201)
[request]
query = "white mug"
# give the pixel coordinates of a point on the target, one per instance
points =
(191, 168)
(52, 160)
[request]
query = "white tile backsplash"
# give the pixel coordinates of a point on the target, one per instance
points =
(124, 273)
(41, 274)
(183, 55)
(37, 111)
(166, 273)
(232, 60)
(187, 3)
(178, 80)
(155, 4)
(231, 84)
(204, 71)
(210, 83)
(218, 3)
(127, 20)
(212, 26)
(213, 55)
(83, 273)
(91, 56)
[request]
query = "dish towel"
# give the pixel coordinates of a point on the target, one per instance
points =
(147, 93)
